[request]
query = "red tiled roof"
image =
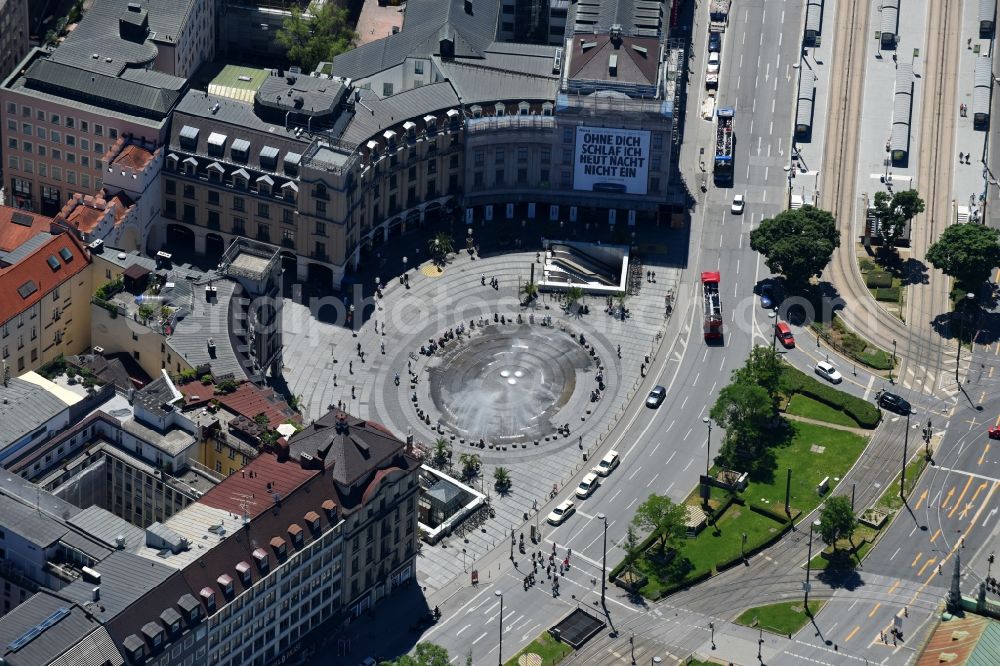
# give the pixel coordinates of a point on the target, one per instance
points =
(133, 157)
(35, 269)
(248, 400)
(88, 212)
(253, 480)
(13, 233)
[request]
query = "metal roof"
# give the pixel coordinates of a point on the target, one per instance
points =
(106, 527)
(42, 528)
(390, 111)
(42, 642)
(890, 16)
(24, 407)
(807, 89)
(983, 82)
(814, 15)
(125, 578)
(987, 10)
(205, 319)
(902, 108)
(24, 249)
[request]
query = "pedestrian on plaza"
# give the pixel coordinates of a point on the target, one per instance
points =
(335, 379)
(654, 276)
(362, 357)
(383, 328)
(382, 345)
(359, 344)
(350, 367)
(482, 279)
(353, 394)
(409, 366)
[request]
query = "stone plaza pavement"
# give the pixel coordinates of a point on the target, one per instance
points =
(323, 366)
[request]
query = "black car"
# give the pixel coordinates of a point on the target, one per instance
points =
(893, 403)
(714, 42)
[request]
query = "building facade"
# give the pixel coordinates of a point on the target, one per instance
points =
(14, 41)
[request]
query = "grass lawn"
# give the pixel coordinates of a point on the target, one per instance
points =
(783, 618)
(549, 649)
(839, 451)
(802, 405)
(890, 500)
(842, 558)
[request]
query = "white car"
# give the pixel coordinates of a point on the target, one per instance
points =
(608, 463)
(828, 372)
(738, 203)
(713, 63)
(561, 512)
(587, 486)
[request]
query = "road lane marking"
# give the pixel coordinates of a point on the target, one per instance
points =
(926, 564)
(971, 474)
(936, 535)
(636, 471)
(617, 493)
(652, 480)
(920, 501)
(480, 638)
(462, 629)
(985, 451)
(894, 555)
(958, 502)
(853, 631)
(875, 610)
(981, 488)
(916, 559)
(894, 586)
(947, 498)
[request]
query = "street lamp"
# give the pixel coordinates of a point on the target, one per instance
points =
(657, 660)
(928, 433)
(711, 627)
(500, 652)
(805, 587)
(604, 561)
(708, 445)
(743, 546)
(774, 327)
(961, 321)
(350, 320)
(894, 360)
(906, 446)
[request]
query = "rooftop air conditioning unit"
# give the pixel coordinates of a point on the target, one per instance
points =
(98, 350)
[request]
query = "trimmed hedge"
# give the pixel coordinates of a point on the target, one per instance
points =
(889, 294)
(878, 279)
(795, 381)
(773, 514)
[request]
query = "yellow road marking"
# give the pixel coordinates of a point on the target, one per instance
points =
(985, 451)
(958, 502)
(992, 367)
(916, 559)
(926, 564)
(947, 498)
(920, 501)
(894, 586)
(853, 631)
(982, 396)
(936, 535)
(875, 610)
(981, 488)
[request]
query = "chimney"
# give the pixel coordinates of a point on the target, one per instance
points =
(95, 593)
(468, 7)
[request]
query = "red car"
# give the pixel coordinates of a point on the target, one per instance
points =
(994, 432)
(784, 334)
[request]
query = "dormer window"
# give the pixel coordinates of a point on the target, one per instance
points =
(189, 606)
(390, 140)
(243, 571)
(291, 164)
(269, 158)
(172, 620)
(265, 185)
(225, 582)
(172, 161)
(208, 597)
(523, 108)
(410, 129)
(190, 166)
(500, 109)
(295, 534)
(477, 111)
(289, 191)
(240, 151)
(373, 149)
(547, 109)
(431, 125)
(217, 144)
(135, 648)
(215, 172)
(240, 179)
(330, 509)
(453, 116)
(189, 138)
(153, 634)
(279, 546)
(312, 520)
(260, 557)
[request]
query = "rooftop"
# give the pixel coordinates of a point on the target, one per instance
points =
(106, 527)
(41, 527)
(60, 626)
(18, 226)
(236, 82)
(252, 491)
(125, 578)
(247, 400)
(133, 156)
(633, 60)
(53, 260)
(24, 407)
(300, 94)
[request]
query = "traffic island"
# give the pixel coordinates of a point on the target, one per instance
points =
(785, 618)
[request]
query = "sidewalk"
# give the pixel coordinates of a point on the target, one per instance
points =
(968, 183)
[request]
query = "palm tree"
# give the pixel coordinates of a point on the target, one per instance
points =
(470, 463)
(501, 479)
(530, 291)
(573, 294)
(620, 298)
(440, 247)
(442, 451)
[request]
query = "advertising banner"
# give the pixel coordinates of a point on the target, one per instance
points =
(611, 160)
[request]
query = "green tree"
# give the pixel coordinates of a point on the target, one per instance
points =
(440, 247)
(797, 243)
(837, 521)
(762, 368)
(894, 211)
(660, 515)
(573, 295)
(442, 451)
(530, 291)
(966, 252)
(316, 36)
(501, 479)
(630, 544)
(470, 463)
(425, 654)
(745, 411)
